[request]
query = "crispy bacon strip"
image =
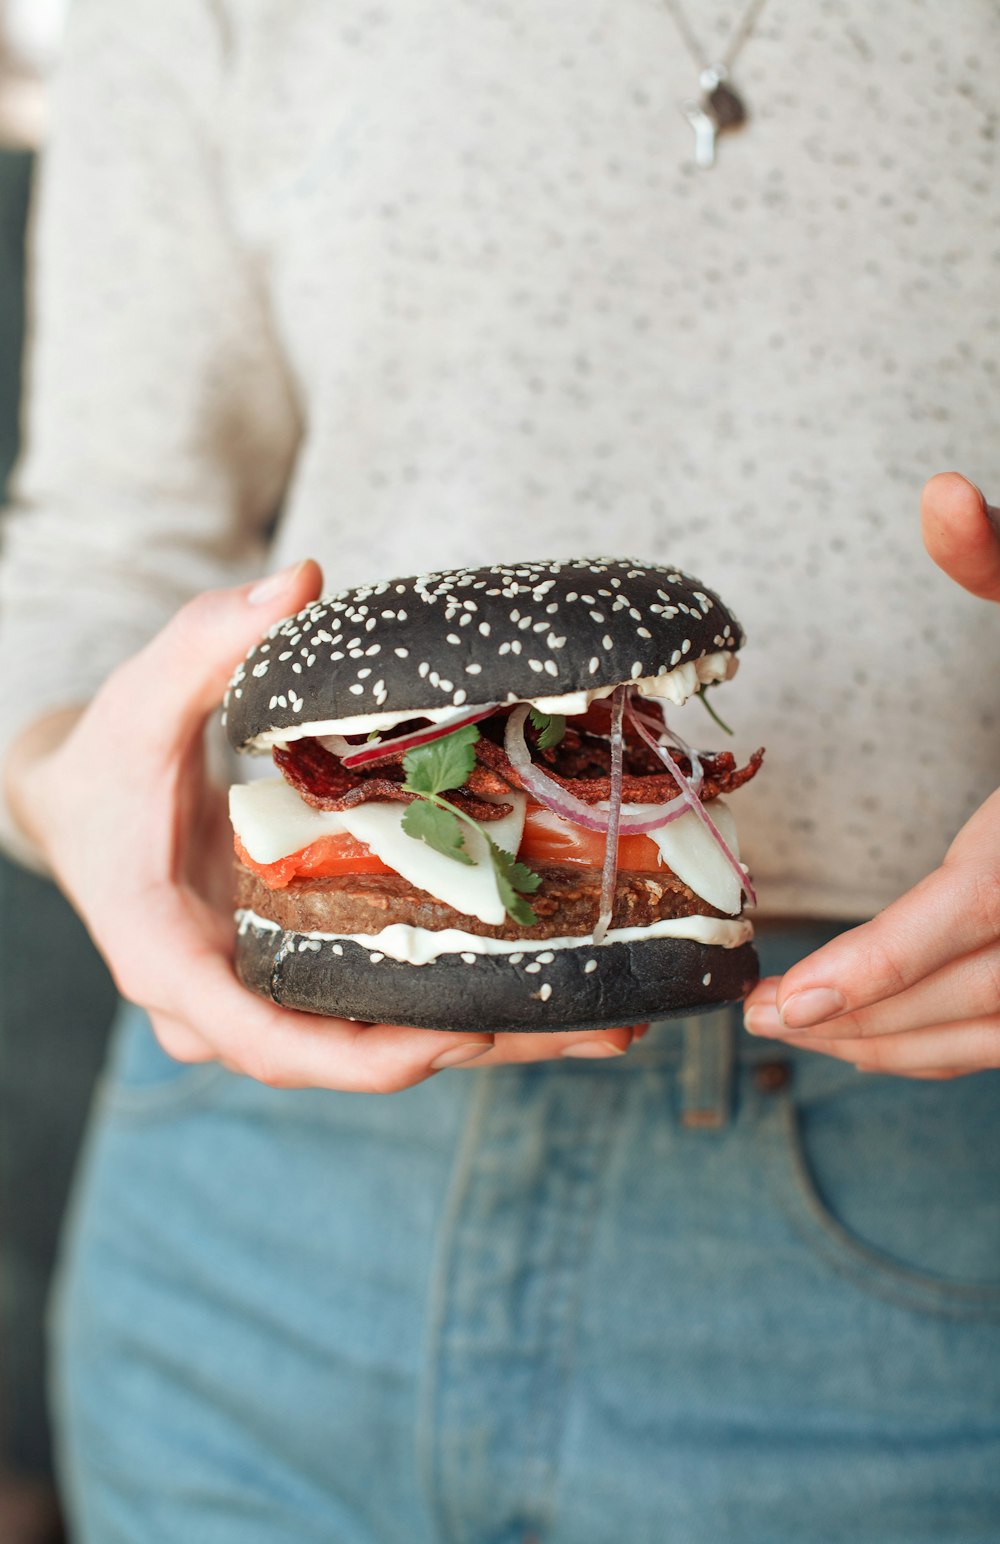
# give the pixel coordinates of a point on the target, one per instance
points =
(721, 776)
(319, 779)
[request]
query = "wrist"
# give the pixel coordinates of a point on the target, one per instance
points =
(26, 775)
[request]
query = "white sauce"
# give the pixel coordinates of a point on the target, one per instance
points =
(420, 946)
(675, 685)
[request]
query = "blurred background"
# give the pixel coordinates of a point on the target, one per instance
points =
(56, 999)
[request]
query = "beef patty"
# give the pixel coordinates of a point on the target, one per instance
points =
(566, 903)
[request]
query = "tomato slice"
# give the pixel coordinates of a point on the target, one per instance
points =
(328, 855)
(548, 838)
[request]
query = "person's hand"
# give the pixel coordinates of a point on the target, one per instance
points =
(116, 798)
(916, 991)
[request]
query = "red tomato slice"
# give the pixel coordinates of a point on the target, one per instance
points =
(338, 854)
(550, 839)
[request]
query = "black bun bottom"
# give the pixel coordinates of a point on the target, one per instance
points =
(541, 989)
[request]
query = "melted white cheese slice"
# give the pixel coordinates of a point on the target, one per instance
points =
(272, 821)
(689, 849)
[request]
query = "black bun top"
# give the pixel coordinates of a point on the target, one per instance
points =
(471, 636)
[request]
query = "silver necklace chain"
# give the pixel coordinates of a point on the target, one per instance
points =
(720, 108)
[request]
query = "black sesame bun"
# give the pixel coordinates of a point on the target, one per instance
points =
(468, 636)
(539, 989)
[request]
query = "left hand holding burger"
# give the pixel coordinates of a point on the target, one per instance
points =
(916, 991)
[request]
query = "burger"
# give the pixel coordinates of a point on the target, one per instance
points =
(482, 818)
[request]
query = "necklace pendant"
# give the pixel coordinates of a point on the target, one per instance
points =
(719, 111)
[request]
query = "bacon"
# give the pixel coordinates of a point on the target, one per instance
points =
(319, 779)
(721, 776)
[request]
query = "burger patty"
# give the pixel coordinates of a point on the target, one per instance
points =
(566, 903)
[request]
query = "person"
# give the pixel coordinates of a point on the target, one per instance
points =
(411, 291)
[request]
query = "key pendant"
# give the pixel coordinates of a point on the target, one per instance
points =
(717, 112)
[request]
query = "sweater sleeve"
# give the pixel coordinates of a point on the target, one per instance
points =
(160, 424)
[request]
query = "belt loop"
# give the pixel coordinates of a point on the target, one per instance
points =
(706, 1078)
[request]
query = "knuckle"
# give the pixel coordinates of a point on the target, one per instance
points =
(886, 975)
(179, 1041)
(986, 896)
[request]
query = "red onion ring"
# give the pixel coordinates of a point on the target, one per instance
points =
(609, 870)
(375, 750)
(565, 804)
(695, 804)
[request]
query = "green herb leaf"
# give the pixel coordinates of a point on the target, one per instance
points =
(702, 698)
(511, 877)
(439, 828)
(551, 727)
(441, 764)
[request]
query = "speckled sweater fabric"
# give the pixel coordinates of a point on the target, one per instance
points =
(414, 286)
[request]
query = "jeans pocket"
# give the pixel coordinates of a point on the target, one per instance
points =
(141, 1081)
(896, 1183)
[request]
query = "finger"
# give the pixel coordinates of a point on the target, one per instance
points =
(179, 972)
(962, 533)
(965, 988)
(545, 1045)
(971, 1046)
(952, 912)
(181, 675)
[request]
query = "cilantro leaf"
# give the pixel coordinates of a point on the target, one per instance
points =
(441, 764)
(439, 828)
(551, 727)
(511, 877)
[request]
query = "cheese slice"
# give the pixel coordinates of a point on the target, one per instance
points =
(272, 821)
(689, 849)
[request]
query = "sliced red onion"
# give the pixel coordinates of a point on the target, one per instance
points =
(609, 871)
(695, 804)
(375, 750)
(565, 804)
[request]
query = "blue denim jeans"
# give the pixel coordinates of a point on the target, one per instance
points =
(714, 1292)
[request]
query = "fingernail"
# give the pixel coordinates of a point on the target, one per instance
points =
(594, 1049)
(803, 1009)
(993, 516)
(273, 585)
(461, 1053)
(762, 1019)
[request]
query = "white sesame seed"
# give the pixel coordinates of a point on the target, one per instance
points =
(533, 968)
(591, 965)
(545, 991)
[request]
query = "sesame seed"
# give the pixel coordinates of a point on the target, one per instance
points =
(590, 966)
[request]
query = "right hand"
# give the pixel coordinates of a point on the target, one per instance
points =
(116, 798)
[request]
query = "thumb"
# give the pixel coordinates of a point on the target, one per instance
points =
(185, 669)
(962, 533)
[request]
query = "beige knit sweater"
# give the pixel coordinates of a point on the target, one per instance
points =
(436, 282)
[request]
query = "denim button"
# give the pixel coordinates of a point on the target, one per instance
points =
(771, 1076)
